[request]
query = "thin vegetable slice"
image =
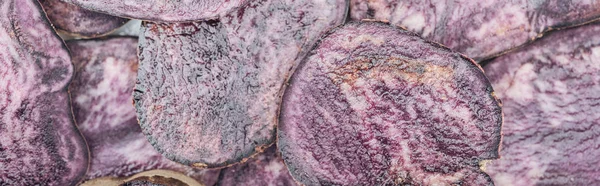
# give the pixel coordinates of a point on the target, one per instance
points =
(105, 72)
(208, 93)
(551, 95)
(80, 22)
(376, 105)
(266, 168)
(147, 178)
(161, 10)
(39, 142)
(479, 29)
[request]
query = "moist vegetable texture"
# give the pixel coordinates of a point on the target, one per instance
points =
(79, 21)
(551, 95)
(373, 104)
(105, 72)
(479, 29)
(161, 10)
(39, 142)
(266, 168)
(208, 93)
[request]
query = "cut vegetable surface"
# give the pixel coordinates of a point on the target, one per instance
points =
(161, 10)
(148, 178)
(551, 95)
(208, 93)
(80, 22)
(479, 29)
(266, 168)
(376, 105)
(102, 93)
(39, 142)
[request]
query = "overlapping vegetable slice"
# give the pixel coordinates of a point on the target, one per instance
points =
(208, 93)
(376, 105)
(39, 142)
(266, 168)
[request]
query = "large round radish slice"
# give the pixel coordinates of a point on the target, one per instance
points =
(208, 93)
(551, 95)
(479, 29)
(39, 142)
(101, 92)
(78, 21)
(161, 10)
(375, 105)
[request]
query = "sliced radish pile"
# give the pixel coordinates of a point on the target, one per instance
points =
(265, 169)
(208, 93)
(39, 142)
(551, 95)
(479, 29)
(161, 10)
(376, 105)
(105, 72)
(78, 21)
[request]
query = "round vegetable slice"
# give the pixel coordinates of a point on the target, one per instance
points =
(39, 142)
(376, 105)
(161, 10)
(266, 168)
(208, 93)
(480, 30)
(551, 96)
(105, 72)
(80, 22)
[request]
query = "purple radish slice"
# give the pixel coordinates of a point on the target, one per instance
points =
(161, 10)
(551, 96)
(479, 29)
(375, 105)
(78, 21)
(266, 168)
(101, 92)
(208, 93)
(147, 178)
(39, 142)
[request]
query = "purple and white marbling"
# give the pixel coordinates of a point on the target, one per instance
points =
(39, 142)
(551, 96)
(479, 29)
(101, 92)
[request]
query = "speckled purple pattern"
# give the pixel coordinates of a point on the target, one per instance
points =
(373, 104)
(39, 142)
(208, 93)
(266, 168)
(551, 96)
(102, 94)
(78, 21)
(161, 10)
(479, 29)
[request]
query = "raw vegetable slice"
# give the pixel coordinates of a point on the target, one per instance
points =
(39, 142)
(161, 10)
(208, 93)
(479, 29)
(373, 104)
(266, 168)
(148, 178)
(80, 22)
(101, 92)
(551, 95)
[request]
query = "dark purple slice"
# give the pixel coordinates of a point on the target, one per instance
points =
(376, 105)
(161, 10)
(479, 29)
(266, 168)
(78, 21)
(148, 178)
(208, 93)
(39, 142)
(551, 96)
(105, 72)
